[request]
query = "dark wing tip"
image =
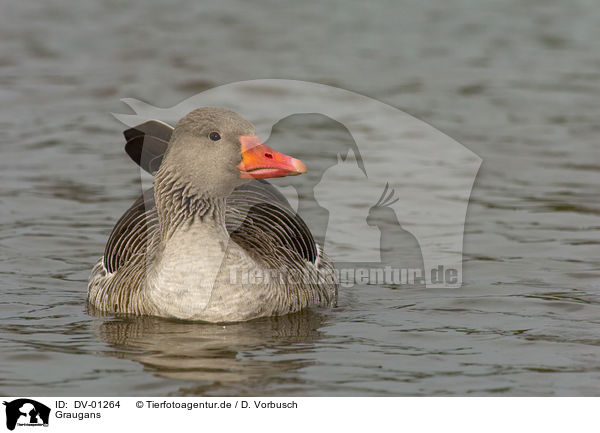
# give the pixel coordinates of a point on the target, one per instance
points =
(154, 128)
(147, 143)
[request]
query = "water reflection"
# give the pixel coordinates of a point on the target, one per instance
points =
(211, 353)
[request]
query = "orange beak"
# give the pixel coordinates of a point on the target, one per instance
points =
(260, 161)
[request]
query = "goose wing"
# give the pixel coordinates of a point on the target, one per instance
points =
(258, 213)
(132, 233)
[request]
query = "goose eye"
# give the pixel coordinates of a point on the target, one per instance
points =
(214, 136)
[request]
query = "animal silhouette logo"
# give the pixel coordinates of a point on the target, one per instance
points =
(26, 412)
(432, 174)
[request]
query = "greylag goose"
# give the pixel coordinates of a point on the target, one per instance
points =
(211, 240)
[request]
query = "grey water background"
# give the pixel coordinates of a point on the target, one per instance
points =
(517, 82)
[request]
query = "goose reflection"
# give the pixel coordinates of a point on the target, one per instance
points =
(215, 356)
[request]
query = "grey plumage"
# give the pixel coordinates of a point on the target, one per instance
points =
(173, 251)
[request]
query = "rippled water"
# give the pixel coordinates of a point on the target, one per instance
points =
(518, 83)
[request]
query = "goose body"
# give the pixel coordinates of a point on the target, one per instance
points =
(211, 240)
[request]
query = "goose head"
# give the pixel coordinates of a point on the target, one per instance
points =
(214, 150)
